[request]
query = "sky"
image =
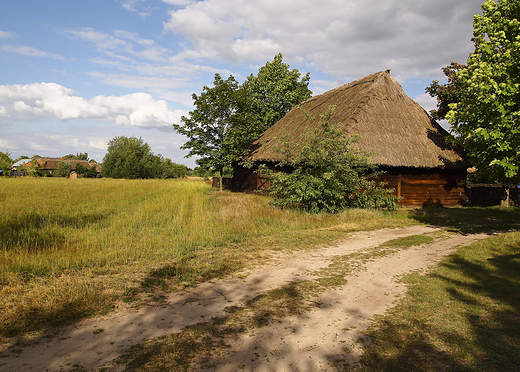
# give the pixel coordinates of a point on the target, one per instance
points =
(74, 74)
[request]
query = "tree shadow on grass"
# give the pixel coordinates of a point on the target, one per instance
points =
(469, 219)
(474, 325)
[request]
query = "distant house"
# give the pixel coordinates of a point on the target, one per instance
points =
(403, 139)
(49, 165)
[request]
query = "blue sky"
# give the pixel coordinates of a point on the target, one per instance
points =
(74, 73)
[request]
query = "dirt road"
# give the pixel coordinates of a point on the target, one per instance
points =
(313, 342)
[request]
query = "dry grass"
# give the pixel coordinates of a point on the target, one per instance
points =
(61, 238)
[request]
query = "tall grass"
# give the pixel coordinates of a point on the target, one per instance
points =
(101, 238)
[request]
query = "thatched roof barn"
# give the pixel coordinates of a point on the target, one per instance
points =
(403, 139)
(49, 165)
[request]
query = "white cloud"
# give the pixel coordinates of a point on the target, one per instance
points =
(134, 81)
(5, 144)
(137, 7)
(5, 34)
(29, 51)
(346, 39)
(122, 44)
(101, 40)
(426, 101)
(44, 100)
(134, 37)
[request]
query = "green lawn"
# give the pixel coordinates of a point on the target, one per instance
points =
(463, 316)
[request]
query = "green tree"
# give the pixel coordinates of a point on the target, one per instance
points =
(450, 92)
(78, 156)
(209, 126)
(130, 157)
(486, 119)
(63, 169)
(327, 175)
(6, 162)
(228, 117)
(274, 91)
(92, 172)
(81, 169)
(171, 169)
(35, 170)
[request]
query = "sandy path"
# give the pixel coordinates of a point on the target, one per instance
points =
(307, 343)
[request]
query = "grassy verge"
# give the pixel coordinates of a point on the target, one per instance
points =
(73, 248)
(464, 316)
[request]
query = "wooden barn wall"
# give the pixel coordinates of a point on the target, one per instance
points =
(446, 188)
(415, 187)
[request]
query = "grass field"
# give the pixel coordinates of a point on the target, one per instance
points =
(74, 248)
(464, 316)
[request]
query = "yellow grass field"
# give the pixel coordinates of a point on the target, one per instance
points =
(74, 248)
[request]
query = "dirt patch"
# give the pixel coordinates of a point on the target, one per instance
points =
(321, 339)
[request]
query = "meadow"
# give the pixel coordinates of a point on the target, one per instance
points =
(76, 248)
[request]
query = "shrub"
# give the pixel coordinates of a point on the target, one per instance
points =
(328, 174)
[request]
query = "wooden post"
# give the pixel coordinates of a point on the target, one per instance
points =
(399, 185)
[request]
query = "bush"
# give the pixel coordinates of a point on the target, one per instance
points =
(328, 174)
(63, 169)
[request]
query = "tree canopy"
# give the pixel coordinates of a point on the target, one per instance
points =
(78, 156)
(6, 162)
(228, 116)
(485, 111)
(274, 91)
(209, 125)
(130, 157)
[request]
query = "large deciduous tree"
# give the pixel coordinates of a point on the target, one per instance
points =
(78, 156)
(209, 125)
(229, 116)
(130, 157)
(450, 92)
(274, 91)
(485, 116)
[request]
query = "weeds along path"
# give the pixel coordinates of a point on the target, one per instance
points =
(323, 337)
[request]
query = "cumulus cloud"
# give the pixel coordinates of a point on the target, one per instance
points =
(345, 39)
(29, 51)
(44, 100)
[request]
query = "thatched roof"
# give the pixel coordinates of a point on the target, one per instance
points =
(53, 163)
(394, 128)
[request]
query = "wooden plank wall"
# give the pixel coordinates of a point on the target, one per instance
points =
(424, 189)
